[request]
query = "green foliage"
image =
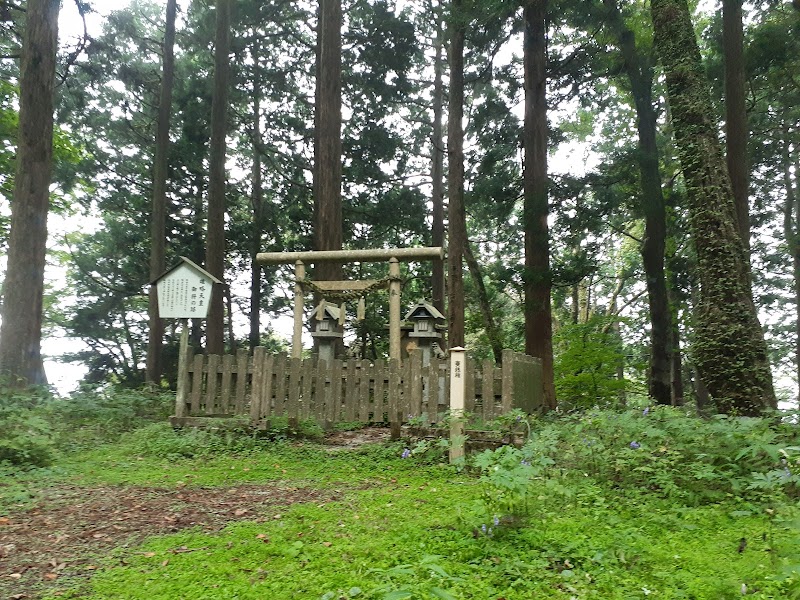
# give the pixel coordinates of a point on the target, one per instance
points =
(398, 529)
(656, 452)
(35, 426)
(161, 440)
(309, 429)
(587, 356)
(94, 416)
(26, 438)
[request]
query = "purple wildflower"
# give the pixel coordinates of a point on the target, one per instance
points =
(646, 411)
(496, 521)
(483, 528)
(406, 453)
(635, 445)
(527, 463)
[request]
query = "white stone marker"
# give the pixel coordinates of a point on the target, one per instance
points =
(457, 393)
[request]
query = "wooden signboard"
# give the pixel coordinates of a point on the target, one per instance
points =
(184, 292)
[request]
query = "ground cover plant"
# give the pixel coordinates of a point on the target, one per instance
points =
(646, 503)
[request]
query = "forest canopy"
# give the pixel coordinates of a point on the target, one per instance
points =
(610, 209)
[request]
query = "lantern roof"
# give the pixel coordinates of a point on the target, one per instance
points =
(328, 311)
(424, 310)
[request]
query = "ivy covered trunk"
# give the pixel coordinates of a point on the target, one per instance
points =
(729, 348)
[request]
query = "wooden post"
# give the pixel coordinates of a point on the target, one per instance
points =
(297, 337)
(183, 373)
(394, 309)
(457, 393)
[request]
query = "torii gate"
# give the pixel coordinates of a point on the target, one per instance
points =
(392, 255)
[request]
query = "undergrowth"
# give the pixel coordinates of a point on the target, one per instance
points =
(601, 504)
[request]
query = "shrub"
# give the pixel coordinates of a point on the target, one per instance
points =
(26, 439)
(661, 452)
(100, 415)
(587, 356)
(160, 439)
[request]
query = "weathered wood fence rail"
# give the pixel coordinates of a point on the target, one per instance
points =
(265, 385)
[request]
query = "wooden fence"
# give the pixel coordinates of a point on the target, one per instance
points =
(271, 385)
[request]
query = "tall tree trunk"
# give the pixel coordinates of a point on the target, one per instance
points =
(257, 202)
(537, 280)
(457, 229)
(437, 169)
(158, 228)
(492, 331)
(327, 184)
(21, 332)
(736, 132)
(676, 368)
(640, 75)
(729, 347)
(215, 236)
(791, 231)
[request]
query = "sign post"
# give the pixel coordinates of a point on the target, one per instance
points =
(457, 404)
(184, 292)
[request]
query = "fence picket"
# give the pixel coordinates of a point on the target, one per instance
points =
(365, 375)
(306, 404)
(395, 399)
(242, 360)
(293, 398)
(335, 409)
(379, 409)
(257, 385)
(197, 384)
(487, 391)
(225, 391)
(469, 385)
(350, 399)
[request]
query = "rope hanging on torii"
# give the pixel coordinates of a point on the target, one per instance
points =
(347, 291)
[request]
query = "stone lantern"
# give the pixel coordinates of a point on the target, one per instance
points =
(327, 329)
(427, 323)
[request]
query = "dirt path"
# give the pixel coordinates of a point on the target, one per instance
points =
(72, 527)
(63, 538)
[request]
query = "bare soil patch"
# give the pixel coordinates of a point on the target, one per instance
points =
(64, 537)
(347, 440)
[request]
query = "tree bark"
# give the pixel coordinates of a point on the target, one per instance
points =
(537, 277)
(791, 232)
(21, 331)
(457, 234)
(640, 75)
(492, 331)
(676, 369)
(327, 184)
(257, 202)
(215, 235)
(729, 346)
(736, 131)
(154, 368)
(437, 172)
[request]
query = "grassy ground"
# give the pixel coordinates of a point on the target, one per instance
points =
(367, 523)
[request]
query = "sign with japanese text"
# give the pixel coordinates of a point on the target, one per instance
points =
(184, 292)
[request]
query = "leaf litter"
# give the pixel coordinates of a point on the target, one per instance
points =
(59, 542)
